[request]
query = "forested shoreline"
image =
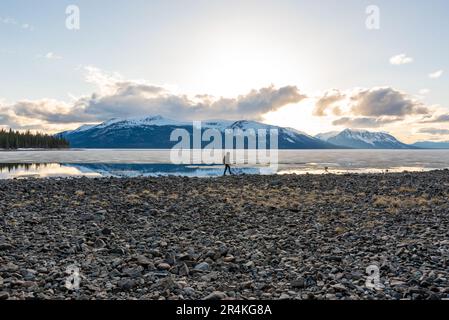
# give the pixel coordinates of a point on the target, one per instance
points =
(12, 140)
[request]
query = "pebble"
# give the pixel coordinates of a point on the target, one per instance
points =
(284, 296)
(126, 284)
(143, 260)
(302, 237)
(99, 243)
(298, 284)
(5, 246)
(4, 295)
(163, 266)
(216, 295)
(203, 266)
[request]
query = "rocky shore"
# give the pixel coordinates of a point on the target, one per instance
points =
(244, 237)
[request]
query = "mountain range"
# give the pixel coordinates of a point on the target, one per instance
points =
(432, 145)
(361, 139)
(153, 132)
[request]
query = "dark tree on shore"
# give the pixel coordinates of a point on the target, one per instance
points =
(17, 140)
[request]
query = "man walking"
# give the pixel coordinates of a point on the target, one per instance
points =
(227, 163)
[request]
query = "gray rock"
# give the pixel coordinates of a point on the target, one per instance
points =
(6, 246)
(203, 266)
(99, 244)
(4, 295)
(239, 237)
(126, 284)
(188, 291)
(339, 287)
(106, 232)
(216, 295)
(134, 272)
(143, 260)
(183, 270)
(298, 283)
(164, 266)
(284, 296)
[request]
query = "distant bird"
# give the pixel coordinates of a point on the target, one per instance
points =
(326, 169)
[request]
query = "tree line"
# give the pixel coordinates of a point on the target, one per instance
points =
(11, 140)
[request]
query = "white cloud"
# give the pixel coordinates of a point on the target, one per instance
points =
(400, 59)
(424, 92)
(434, 131)
(52, 56)
(365, 122)
(329, 99)
(27, 26)
(8, 20)
(373, 102)
(370, 108)
(120, 98)
(436, 74)
(14, 22)
(117, 97)
(439, 118)
(106, 82)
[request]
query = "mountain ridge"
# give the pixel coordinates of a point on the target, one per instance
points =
(153, 132)
(432, 144)
(363, 139)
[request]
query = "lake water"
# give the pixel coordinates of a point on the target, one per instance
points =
(129, 163)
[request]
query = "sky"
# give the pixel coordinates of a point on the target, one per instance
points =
(316, 66)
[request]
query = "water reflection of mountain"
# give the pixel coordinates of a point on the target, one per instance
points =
(135, 170)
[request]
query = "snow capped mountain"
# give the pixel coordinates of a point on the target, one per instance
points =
(84, 127)
(139, 121)
(362, 139)
(154, 132)
(326, 136)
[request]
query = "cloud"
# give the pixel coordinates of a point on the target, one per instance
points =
(436, 74)
(365, 122)
(424, 92)
(14, 22)
(5, 119)
(434, 131)
(26, 26)
(374, 102)
(142, 98)
(8, 20)
(138, 99)
(52, 56)
(105, 82)
(437, 119)
(401, 59)
(385, 101)
(369, 108)
(117, 98)
(328, 99)
(48, 110)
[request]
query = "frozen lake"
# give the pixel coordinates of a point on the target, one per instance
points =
(113, 162)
